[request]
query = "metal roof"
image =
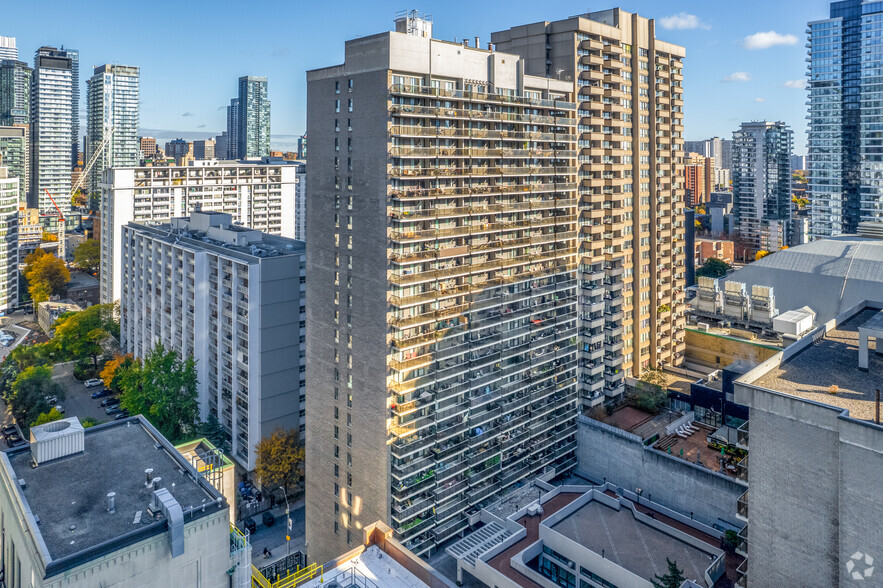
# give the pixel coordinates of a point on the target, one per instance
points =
(829, 275)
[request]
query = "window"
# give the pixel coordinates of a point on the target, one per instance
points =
(349, 439)
(336, 527)
(336, 125)
(337, 106)
(349, 105)
(336, 489)
(336, 432)
(336, 471)
(349, 479)
(336, 413)
(337, 87)
(349, 458)
(336, 452)
(349, 84)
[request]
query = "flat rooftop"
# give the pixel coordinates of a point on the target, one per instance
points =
(832, 361)
(631, 544)
(372, 564)
(641, 423)
(69, 494)
(269, 245)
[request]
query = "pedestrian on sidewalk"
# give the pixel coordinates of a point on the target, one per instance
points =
(267, 553)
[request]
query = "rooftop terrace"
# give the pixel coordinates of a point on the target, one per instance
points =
(832, 360)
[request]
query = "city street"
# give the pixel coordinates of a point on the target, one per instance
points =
(273, 538)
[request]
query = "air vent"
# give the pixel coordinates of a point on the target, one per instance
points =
(56, 440)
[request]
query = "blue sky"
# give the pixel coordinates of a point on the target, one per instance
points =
(191, 52)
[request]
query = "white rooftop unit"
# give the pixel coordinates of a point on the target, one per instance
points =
(708, 295)
(736, 302)
(763, 304)
(56, 439)
(794, 322)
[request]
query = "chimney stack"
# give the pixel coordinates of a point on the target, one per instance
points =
(477, 43)
(111, 502)
(156, 482)
(466, 42)
(149, 474)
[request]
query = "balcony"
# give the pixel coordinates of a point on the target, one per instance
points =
(742, 575)
(742, 436)
(742, 542)
(742, 507)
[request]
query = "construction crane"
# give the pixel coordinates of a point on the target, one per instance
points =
(62, 249)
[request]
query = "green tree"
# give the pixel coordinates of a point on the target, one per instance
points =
(280, 459)
(212, 430)
(713, 268)
(649, 392)
(89, 422)
(29, 393)
(163, 389)
(673, 579)
(85, 333)
(87, 255)
(47, 417)
(46, 275)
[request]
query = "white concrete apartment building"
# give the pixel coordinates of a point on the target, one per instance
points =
(231, 297)
(52, 128)
(111, 505)
(256, 195)
(8, 240)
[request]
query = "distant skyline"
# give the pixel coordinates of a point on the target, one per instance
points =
(745, 61)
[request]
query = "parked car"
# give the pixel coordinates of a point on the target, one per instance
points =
(113, 410)
(14, 440)
(92, 383)
(52, 399)
(250, 525)
(268, 519)
(59, 408)
(102, 393)
(109, 402)
(9, 430)
(121, 415)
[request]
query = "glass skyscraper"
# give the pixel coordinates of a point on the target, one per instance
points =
(112, 96)
(845, 128)
(254, 118)
(15, 92)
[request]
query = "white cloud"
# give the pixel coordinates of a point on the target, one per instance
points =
(768, 39)
(760, 99)
(682, 21)
(739, 76)
(796, 84)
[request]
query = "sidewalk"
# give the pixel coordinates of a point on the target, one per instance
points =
(273, 538)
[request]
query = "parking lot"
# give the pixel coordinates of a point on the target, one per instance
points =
(79, 401)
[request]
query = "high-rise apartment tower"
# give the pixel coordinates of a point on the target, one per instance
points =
(629, 87)
(8, 50)
(53, 128)
(441, 302)
(15, 93)
(845, 168)
(112, 94)
(253, 139)
(762, 184)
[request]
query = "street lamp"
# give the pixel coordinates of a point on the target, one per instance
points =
(288, 520)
